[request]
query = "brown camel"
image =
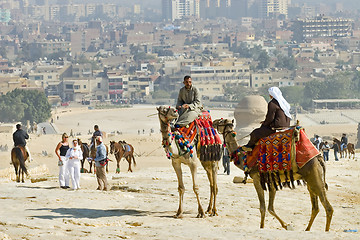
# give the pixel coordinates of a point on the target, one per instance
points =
(313, 172)
(122, 149)
(18, 158)
(166, 115)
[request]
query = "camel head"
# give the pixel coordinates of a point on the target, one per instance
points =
(167, 113)
(112, 147)
(221, 125)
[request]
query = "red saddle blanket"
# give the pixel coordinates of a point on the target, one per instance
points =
(277, 151)
(209, 142)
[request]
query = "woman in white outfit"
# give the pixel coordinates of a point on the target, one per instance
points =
(74, 155)
(60, 151)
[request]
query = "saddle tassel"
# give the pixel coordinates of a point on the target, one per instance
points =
(268, 180)
(292, 179)
(279, 179)
(274, 181)
(262, 181)
(287, 179)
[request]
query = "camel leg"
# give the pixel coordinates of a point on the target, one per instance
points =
(215, 167)
(207, 166)
(181, 187)
(272, 193)
(316, 187)
(193, 169)
(314, 210)
(260, 193)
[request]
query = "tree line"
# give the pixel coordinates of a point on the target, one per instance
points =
(24, 105)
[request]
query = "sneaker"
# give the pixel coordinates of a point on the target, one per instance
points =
(63, 187)
(67, 187)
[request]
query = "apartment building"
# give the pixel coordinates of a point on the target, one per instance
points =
(211, 80)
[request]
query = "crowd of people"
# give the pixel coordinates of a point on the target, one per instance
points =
(325, 147)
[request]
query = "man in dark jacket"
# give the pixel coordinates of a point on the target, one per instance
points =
(278, 116)
(19, 138)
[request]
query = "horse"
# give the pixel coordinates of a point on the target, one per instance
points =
(86, 153)
(313, 172)
(351, 150)
(343, 152)
(18, 157)
(122, 149)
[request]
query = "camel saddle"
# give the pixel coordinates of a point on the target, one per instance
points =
(208, 141)
(280, 153)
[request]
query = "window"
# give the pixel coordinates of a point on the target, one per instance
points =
(76, 86)
(84, 86)
(216, 89)
(99, 85)
(68, 86)
(49, 77)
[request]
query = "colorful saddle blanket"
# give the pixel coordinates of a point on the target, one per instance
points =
(277, 151)
(281, 152)
(209, 142)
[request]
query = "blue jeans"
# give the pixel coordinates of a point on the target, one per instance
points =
(226, 164)
(326, 156)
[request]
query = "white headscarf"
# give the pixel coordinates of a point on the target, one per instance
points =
(285, 106)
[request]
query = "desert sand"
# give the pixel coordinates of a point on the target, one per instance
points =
(141, 205)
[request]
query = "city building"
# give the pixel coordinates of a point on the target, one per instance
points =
(178, 9)
(321, 26)
(273, 9)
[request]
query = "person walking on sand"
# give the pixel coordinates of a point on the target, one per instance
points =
(99, 160)
(61, 149)
(74, 155)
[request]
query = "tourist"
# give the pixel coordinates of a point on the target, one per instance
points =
(19, 138)
(317, 142)
(325, 149)
(74, 155)
(100, 159)
(60, 151)
(344, 142)
(336, 148)
(226, 160)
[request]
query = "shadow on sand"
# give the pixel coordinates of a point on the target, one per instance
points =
(36, 187)
(87, 213)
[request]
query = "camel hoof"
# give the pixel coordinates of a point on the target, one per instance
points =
(289, 227)
(178, 216)
(201, 215)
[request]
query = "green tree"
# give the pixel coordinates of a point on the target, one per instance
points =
(23, 105)
(264, 60)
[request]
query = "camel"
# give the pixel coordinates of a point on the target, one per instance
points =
(313, 172)
(122, 149)
(166, 115)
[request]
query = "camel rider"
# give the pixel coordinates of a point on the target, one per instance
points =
(278, 116)
(188, 103)
(344, 142)
(96, 134)
(19, 138)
